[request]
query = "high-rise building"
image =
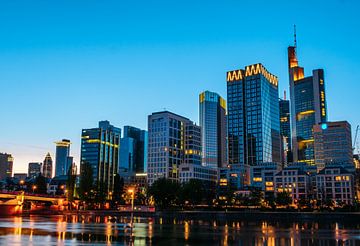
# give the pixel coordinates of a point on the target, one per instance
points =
(308, 107)
(285, 131)
(47, 166)
(34, 169)
(133, 151)
(61, 160)
(332, 144)
(173, 140)
(6, 165)
(100, 150)
(213, 129)
(253, 116)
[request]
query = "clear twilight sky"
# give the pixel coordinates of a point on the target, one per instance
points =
(65, 65)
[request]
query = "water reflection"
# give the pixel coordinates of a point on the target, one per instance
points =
(90, 229)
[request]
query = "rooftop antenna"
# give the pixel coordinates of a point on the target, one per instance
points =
(295, 36)
(284, 94)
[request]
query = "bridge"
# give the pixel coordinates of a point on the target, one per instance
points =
(12, 202)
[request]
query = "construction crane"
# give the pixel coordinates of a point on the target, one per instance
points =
(355, 139)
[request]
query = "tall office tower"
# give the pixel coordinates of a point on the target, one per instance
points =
(133, 151)
(253, 116)
(47, 166)
(308, 107)
(6, 165)
(34, 169)
(285, 131)
(170, 145)
(213, 129)
(332, 144)
(100, 150)
(61, 159)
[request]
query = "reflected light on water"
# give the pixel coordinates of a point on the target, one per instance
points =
(186, 230)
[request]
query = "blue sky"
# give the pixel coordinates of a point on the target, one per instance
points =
(65, 65)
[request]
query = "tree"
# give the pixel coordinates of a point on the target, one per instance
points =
(118, 189)
(192, 192)
(86, 182)
(70, 185)
(283, 199)
(164, 192)
(100, 193)
(40, 183)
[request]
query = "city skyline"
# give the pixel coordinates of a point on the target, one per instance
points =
(57, 92)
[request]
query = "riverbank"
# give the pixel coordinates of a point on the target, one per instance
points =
(251, 215)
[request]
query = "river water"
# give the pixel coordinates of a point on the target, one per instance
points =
(97, 230)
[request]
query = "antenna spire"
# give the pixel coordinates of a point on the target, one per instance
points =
(295, 36)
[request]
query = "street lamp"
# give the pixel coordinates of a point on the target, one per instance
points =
(131, 191)
(34, 188)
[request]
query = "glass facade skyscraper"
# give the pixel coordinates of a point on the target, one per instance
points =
(47, 166)
(34, 169)
(253, 116)
(100, 150)
(212, 118)
(133, 151)
(308, 107)
(285, 131)
(61, 160)
(173, 140)
(6, 165)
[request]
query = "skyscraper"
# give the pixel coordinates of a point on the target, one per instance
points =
(133, 150)
(34, 169)
(100, 150)
(47, 166)
(173, 140)
(253, 116)
(332, 144)
(308, 107)
(285, 131)
(212, 120)
(61, 159)
(6, 165)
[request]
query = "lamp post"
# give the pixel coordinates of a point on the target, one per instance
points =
(131, 191)
(34, 188)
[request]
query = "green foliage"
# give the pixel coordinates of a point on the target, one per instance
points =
(118, 189)
(70, 185)
(164, 192)
(283, 199)
(40, 183)
(193, 192)
(86, 183)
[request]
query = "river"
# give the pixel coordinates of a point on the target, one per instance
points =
(97, 230)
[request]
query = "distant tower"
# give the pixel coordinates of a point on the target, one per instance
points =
(212, 118)
(62, 161)
(308, 107)
(6, 165)
(34, 169)
(285, 132)
(47, 166)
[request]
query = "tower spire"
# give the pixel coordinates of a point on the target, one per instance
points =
(295, 36)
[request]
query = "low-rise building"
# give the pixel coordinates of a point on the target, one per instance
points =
(262, 176)
(294, 181)
(335, 183)
(189, 171)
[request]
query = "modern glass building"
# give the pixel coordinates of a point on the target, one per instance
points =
(100, 150)
(47, 166)
(285, 130)
(253, 116)
(62, 164)
(34, 169)
(173, 140)
(133, 151)
(212, 118)
(308, 107)
(6, 165)
(332, 144)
